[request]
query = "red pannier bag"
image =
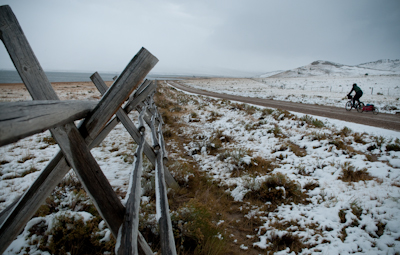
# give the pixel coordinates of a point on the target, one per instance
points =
(368, 107)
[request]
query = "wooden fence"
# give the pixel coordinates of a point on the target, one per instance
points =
(75, 142)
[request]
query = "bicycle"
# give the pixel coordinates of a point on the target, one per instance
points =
(357, 105)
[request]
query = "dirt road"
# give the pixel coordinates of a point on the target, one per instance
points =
(382, 120)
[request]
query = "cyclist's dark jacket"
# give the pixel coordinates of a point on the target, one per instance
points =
(356, 89)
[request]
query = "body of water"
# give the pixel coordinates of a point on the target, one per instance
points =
(7, 76)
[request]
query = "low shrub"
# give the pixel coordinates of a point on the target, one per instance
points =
(339, 144)
(194, 230)
(278, 189)
(266, 112)
(312, 122)
(344, 132)
(167, 117)
(49, 140)
(276, 130)
(282, 114)
(379, 140)
(297, 150)
(26, 158)
(287, 240)
(389, 107)
(224, 138)
(319, 136)
(259, 165)
(372, 147)
(356, 209)
(351, 174)
(358, 138)
(71, 235)
(342, 215)
(393, 147)
(235, 158)
(250, 110)
(311, 185)
(214, 116)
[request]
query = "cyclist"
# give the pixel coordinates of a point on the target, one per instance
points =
(358, 94)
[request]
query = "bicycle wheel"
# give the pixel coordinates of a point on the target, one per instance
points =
(348, 106)
(360, 107)
(375, 111)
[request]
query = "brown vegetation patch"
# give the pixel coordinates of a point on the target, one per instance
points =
(26, 158)
(278, 189)
(351, 174)
(311, 185)
(287, 240)
(393, 147)
(260, 166)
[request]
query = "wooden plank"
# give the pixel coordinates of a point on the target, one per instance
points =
(134, 74)
(162, 142)
(132, 130)
(162, 210)
(142, 91)
(124, 118)
(36, 81)
(67, 136)
(89, 173)
(141, 126)
(122, 115)
(144, 245)
(156, 145)
(128, 234)
(22, 119)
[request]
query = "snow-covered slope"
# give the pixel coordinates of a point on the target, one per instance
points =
(383, 64)
(269, 74)
(327, 68)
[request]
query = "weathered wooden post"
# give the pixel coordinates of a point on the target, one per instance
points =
(162, 207)
(73, 142)
(22, 119)
(122, 116)
(128, 232)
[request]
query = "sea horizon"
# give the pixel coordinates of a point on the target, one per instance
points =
(12, 76)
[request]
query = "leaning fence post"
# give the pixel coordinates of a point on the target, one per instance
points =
(141, 95)
(162, 209)
(156, 145)
(128, 232)
(40, 88)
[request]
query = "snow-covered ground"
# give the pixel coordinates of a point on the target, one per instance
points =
(340, 218)
(382, 91)
(321, 82)
(379, 199)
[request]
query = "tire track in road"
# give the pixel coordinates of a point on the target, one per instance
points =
(382, 120)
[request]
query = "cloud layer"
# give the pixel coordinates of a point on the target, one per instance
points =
(207, 36)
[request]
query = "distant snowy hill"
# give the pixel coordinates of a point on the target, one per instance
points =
(383, 64)
(269, 74)
(327, 68)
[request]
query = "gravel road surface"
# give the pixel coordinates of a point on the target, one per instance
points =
(382, 120)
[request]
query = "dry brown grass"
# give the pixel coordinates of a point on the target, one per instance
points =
(278, 189)
(311, 185)
(260, 166)
(351, 174)
(203, 196)
(26, 158)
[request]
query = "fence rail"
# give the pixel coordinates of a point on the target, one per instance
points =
(75, 142)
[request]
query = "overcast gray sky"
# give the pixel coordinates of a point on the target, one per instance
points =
(207, 36)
